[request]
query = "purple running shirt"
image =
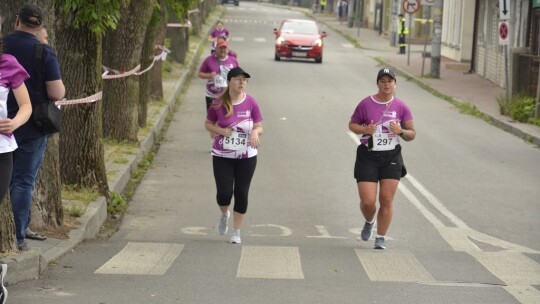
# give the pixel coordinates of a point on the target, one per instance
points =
(12, 76)
(380, 113)
(222, 68)
(245, 114)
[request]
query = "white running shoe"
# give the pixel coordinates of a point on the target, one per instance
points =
(235, 238)
(222, 226)
(3, 290)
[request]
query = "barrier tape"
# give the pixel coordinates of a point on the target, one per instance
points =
(88, 99)
(119, 74)
(186, 24)
(116, 74)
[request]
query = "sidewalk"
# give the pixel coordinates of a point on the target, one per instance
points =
(30, 264)
(455, 82)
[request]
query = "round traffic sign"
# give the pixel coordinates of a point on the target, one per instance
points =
(410, 6)
(503, 30)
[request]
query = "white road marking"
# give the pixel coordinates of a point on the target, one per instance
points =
(142, 259)
(513, 268)
(270, 262)
(263, 40)
(284, 230)
(392, 266)
(524, 294)
(194, 230)
(347, 45)
(323, 234)
(237, 39)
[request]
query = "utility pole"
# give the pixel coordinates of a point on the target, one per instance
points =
(436, 41)
(537, 108)
(395, 20)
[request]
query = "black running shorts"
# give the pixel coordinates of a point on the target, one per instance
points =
(372, 166)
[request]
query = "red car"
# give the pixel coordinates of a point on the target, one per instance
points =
(299, 38)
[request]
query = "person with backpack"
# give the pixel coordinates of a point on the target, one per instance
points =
(31, 140)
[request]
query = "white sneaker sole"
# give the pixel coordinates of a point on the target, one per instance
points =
(4, 290)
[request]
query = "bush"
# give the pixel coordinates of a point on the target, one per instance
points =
(519, 107)
(117, 204)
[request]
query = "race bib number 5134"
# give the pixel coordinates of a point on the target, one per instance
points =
(237, 141)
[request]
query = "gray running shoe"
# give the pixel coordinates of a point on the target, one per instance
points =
(380, 243)
(3, 290)
(235, 238)
(223, 223)
(367, 231)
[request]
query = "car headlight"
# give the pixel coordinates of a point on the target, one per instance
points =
(280, 40)
(317, 42)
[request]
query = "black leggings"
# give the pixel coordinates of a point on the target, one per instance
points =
(209, 101)
(233, 176)
(6, 167)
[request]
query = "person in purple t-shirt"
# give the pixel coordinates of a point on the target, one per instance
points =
(12, 77)
(217, 32)
(381, 120)
(236, 120)
(214, 69)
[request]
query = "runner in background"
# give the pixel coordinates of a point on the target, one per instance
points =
(218, 31)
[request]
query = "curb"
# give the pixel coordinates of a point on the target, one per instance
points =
(30, 264)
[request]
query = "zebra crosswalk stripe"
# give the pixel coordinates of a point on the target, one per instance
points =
(393, 266)
(270, 262)
(142, 259)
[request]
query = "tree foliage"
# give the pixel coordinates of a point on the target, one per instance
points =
(98, 15)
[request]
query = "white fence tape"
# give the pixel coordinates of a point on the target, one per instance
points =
(114, 74)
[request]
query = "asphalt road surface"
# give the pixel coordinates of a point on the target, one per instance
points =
(465, 227)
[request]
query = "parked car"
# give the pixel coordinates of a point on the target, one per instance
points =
(299, 38)
(235, 2)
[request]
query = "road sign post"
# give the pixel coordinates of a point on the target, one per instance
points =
(410, 7)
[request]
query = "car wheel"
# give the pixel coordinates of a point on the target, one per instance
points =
(318, 60)
(277, 58)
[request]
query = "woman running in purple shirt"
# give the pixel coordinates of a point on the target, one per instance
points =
(382, 120)
(236, 120)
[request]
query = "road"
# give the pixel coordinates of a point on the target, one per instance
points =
(465, 227)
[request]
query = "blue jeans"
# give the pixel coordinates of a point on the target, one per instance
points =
(26, 162)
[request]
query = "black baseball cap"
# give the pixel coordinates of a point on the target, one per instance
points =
(386, 71)
(237, 71)
(31, 14)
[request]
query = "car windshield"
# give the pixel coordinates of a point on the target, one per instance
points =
(305, 28)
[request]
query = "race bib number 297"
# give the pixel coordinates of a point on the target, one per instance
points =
(384, 141)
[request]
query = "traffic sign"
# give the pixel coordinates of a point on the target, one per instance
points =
(410, 6)
(504, 9)
(504, 33)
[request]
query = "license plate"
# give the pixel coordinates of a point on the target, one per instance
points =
(299, 54)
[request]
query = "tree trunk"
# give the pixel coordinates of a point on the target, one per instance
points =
(8, 241)
(82, 160)
(156, 83)
(149, 50)
(179, 39)
(122, 51)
